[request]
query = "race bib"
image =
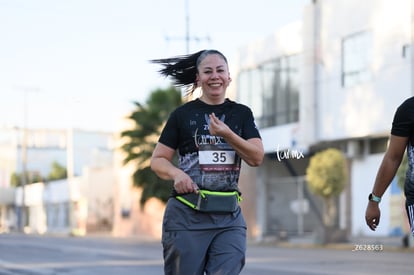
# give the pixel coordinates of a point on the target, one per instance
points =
(214, 158)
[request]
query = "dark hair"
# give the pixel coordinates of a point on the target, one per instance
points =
(183, 68)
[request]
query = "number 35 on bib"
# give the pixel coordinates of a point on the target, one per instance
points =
(214, 158)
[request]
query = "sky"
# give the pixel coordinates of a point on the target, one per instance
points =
(82, 63)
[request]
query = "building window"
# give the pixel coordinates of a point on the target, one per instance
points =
(356, 58)
(249, 91)
(272, 91)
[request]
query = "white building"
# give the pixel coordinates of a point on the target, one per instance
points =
(52, 206)
(334, 79)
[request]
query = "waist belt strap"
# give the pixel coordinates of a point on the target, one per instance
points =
(212, 201)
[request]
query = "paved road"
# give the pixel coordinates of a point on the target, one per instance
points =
(47, 255)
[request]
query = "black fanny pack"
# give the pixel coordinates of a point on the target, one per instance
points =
(212, 201)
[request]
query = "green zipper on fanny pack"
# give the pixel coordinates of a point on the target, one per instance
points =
(186, 202)
(203, 194)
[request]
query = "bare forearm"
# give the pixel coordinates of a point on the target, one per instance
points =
(164, 168)
(390, 164)
(251, 152)
(385, 175)
(167, 171)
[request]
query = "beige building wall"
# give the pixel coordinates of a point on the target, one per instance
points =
(100, 185)
(248, 187)
(129, 218)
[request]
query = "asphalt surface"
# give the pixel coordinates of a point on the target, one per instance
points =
(103, 255)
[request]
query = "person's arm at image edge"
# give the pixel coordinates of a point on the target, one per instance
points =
(386, 172)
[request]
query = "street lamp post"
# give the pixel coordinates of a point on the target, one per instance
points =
(22, 215)
(22, 211)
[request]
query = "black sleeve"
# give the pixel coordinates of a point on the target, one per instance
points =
(403, 122)
(250, 128)
(169, 135)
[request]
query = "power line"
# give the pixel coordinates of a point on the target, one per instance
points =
(187, 38)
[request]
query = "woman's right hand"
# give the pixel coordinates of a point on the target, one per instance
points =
(161, 164)
(184, 184)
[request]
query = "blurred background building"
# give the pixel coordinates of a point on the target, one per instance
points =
(61, 205)
(334, 79)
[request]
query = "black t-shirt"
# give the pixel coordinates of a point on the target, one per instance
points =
(208, 160)
(403, 126)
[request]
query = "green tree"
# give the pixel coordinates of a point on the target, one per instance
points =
(327, 176)
(57, 172)
(16, 179)
(31, 177)
(141, 139)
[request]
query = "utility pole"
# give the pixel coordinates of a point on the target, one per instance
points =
(22, 212)
(188, 38)
(187, 27)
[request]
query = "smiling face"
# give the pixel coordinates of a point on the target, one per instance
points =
(213, 77)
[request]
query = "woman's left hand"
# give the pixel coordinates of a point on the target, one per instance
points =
(217, 127)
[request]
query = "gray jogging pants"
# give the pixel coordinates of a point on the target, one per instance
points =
(210, 252)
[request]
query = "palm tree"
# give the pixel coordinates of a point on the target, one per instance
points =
(148, 121)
